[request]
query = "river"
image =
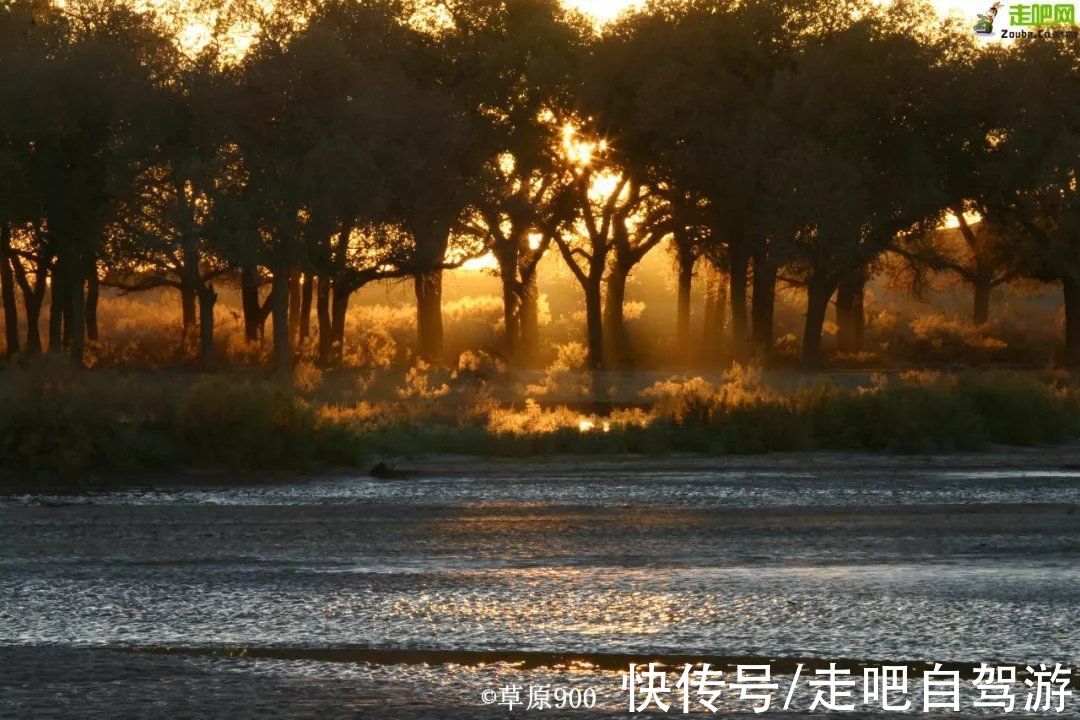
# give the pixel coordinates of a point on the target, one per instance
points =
(485, 574)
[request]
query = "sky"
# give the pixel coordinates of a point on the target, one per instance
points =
(607, 9)
(197, 33)
(601, 9)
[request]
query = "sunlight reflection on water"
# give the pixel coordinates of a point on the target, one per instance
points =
(943, 565)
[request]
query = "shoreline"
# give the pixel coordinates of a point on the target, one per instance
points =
(92, 434)
(1055, 458)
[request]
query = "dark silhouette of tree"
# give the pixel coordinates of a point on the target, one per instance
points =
(768, 143)
(974, 251)
(1032, 165)
(30, 35)
(519, 62)
(88, 95)
(166, 232)
(853, 174)
(604, 199)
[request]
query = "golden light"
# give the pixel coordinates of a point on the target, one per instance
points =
(507, 163)
(535, 239)
(952, 222)
(964, 8)
(603, 10)
(587, 425)
(486, 261)
(603, 185)
(433, 18)
(194, 37)
(578, 151)
(193, 26)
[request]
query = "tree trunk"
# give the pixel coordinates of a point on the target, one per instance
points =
(249, 299)
(594, 326)
(338, 311)
(76, 307)
(739, 266)
(511, 308)
(322, 314)
(682, 307)
(7, 290)
(294, 304)
(188, 300)
(850, 317)
(1071, 289)
(65, 316)
(207, 300)
(981, 314)
(305, 306)
(191, 290)
(33, 327)
(712, 331)
(817, 303)
(429, 324)
(33, 323)
(57, 293)
(33, 295)
(720, 310)
(279, 311)
(617, 344)
(529, 344)
(764, 305)
(93, 292)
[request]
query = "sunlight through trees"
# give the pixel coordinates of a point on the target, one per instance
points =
(300, 151)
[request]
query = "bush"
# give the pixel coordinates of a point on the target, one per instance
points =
(56, 422)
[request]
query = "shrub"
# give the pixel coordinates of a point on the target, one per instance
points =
(59, 422)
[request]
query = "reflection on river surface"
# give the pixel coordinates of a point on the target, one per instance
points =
(817, 557)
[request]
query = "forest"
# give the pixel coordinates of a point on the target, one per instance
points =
(269, 163)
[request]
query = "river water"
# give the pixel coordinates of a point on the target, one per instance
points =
(499, 573)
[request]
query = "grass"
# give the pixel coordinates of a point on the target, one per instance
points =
(59, 426)
(143, 330)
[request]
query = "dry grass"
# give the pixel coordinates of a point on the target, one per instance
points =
(60, 423)
(144, 330)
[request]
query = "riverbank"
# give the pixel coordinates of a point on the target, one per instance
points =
(74, 431)
(419, 469)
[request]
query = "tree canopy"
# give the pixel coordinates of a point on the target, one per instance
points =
(777, 143)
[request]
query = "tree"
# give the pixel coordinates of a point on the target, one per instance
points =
(444, 155)
(604, 199)
(361, 172)
(166, 233)
(1030, 178)
(688, 220)
(645, 221)
(88, 97)
(854, 173)
(679, 88)
(518, 64)
(976, 249)
(31, 34)
(517, 215)
(977, 253)
(363, 103)
(310, 113)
